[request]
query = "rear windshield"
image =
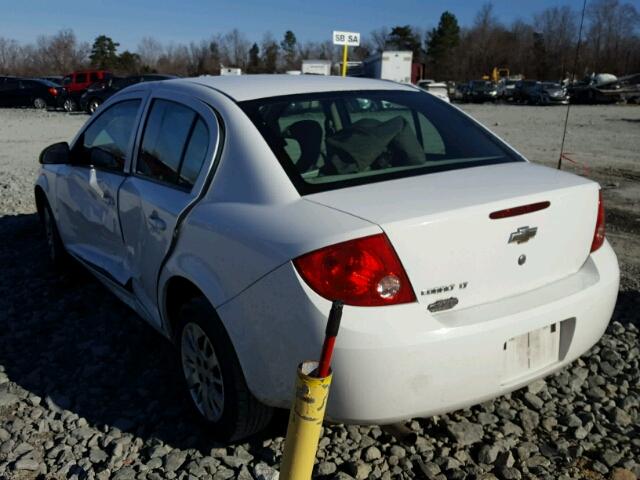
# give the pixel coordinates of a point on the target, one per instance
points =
(333, 140)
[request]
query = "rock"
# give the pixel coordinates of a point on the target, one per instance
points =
(537, 386)
(600, 467)
(466, 433)
(538, 461)
(610, 457)
(510, 473)
(326, 468)
(27, 464)
(622, 418)
(488, 454)
(223, 473)
(262, 471)
(526, 449)
(372, 453)
(510, 428)
(580, 433)
(622, 474)
(174, 460)
(533, 401)
(398, 451)
(487, 418)
(97, 455)
(529, 419)
(8, 399)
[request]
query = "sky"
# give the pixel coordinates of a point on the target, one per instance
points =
(182, 21)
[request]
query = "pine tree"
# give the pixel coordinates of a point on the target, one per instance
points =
(404, 38)
(288, 45)
(103, 52)
(441, 46)
(254, 59)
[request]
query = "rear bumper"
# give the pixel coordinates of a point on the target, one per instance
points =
(394, 363)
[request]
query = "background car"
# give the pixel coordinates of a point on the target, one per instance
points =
(247, 205)
(438, 89)
(28, 92)
(549, 93)
(506, 89)
(76, 83)
(524, 91)
(97, 93)
(481, 91)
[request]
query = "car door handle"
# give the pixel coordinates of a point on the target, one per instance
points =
(156, 222)
(108, 198)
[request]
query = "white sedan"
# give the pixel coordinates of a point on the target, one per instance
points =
(230, 212)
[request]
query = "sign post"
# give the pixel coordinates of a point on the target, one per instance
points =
(346, 39)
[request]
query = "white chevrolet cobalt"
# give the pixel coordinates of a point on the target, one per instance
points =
(229, 212)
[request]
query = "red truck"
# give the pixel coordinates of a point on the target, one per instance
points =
(76, 83)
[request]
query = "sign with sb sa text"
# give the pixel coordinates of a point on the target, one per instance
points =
(351, 39)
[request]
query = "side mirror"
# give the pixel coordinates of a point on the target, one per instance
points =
(56, 154)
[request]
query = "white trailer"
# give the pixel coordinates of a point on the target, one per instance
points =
(230, 71)
(389, 65)
(316, 67)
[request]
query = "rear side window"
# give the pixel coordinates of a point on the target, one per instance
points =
(174, 144)
(338, 139)
(81, 78)
(94, 77)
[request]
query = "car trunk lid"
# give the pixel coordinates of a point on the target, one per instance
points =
(456, 255)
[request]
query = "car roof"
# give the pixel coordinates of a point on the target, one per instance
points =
(250, 87)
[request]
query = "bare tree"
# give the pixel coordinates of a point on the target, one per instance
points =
(234, 47)
(150, 50)
(9, 55)
(379, 38)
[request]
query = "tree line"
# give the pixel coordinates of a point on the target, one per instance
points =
(543, 47)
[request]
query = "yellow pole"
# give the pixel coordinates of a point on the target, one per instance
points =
(344, 60)
(305, 421)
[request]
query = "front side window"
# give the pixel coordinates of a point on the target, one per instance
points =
(174, 144)
(333, 140)
(104, 144)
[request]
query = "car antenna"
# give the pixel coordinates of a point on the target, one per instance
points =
(573, 76)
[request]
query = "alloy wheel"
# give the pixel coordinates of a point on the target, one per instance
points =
(93, 106)
(39, 103)
(202, 372)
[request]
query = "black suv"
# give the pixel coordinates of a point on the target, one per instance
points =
(97, 93)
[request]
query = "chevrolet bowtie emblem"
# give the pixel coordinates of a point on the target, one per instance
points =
(523, 234)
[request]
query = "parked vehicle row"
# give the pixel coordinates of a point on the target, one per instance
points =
(85, 90)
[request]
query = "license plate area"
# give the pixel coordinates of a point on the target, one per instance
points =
(531, 351)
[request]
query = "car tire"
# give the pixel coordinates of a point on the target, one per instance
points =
(69, 105)
(93, 105)
(55, 248)
(39, 103)
(213, 377)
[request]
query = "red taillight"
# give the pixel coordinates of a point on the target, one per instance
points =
(365, 272)
(53, 91)
(598, 236)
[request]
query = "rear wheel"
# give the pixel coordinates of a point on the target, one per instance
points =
(213, 376)
(69, 105)
(93, 105)
(39, 103)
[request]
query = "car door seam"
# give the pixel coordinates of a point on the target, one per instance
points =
(183, 214)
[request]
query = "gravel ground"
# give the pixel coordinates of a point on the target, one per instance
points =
(86, 387)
